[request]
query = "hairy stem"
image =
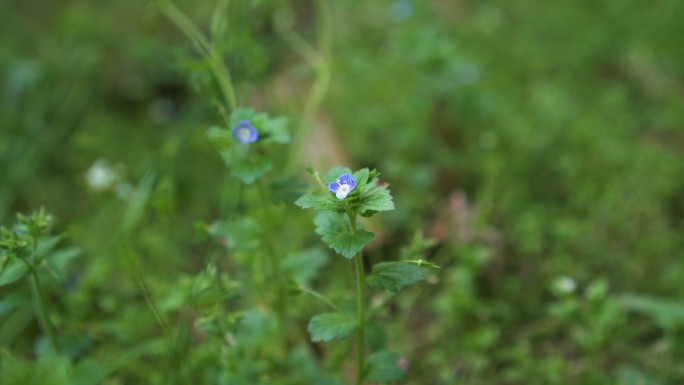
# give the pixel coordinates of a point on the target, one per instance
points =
(361, 298)
(361, 308)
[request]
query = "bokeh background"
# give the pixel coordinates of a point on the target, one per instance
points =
(538, 143)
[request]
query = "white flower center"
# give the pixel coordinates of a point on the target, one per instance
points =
(244, 134)
(343, 191)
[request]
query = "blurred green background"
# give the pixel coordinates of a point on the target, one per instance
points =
(540, 143)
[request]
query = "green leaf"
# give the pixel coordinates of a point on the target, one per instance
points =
(382, 367)
(46, 245)
(220, 136)
(335, 173)
(252, 169)
(309, 200)
(271, 130)
(666, 312)
(328, 326)
(275, 130)
(361, 178)
(87, 372)
(49, 370)
(15, 271)
(248, 167)
(334, 230)
(239, 114)
(286, 189)
(375, 198)
(60, 259)
(393, 275)
(239, 234)
(138, 201)
(304, 266)
(256, 328)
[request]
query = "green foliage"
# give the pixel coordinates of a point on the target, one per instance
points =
(314, 201)
(239, 234)
(13, 271)
(138, 200)
(246, 162)
(55, 370)
(271, 130)
(369, 196)
(245, 165)
(305, 265)
(336, 232)
(543, 174)
(382, 367)
(393, 275)
(667, 313)
(328, 326)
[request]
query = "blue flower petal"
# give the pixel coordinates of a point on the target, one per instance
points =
(333, 187)
(347, 179)
(244, 132)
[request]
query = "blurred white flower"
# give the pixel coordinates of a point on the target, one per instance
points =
(565, 284)
(100, 175)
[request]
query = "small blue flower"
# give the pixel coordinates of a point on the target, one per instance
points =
(244, 132)
(19, 230)
(342, 186)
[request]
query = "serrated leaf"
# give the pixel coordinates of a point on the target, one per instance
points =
(251, 170)
(246, 167)
(309, 200)
(334, 230)
(393, 275)
(361, 178)
(328, 326)
(382, 367)
(13, 272)
(375, 198)
(335, 173)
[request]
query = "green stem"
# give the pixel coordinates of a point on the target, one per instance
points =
(40, 308)
(133, 262)
(361, 296)
(361, 307)
(197, 37)
(276, 276)
(320, 296)
(318, 58)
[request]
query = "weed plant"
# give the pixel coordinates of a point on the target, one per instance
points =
(163, 153)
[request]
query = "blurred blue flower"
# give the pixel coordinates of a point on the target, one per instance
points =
(19, 230)
(401, 10)
(342, 186)
(244, 132)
